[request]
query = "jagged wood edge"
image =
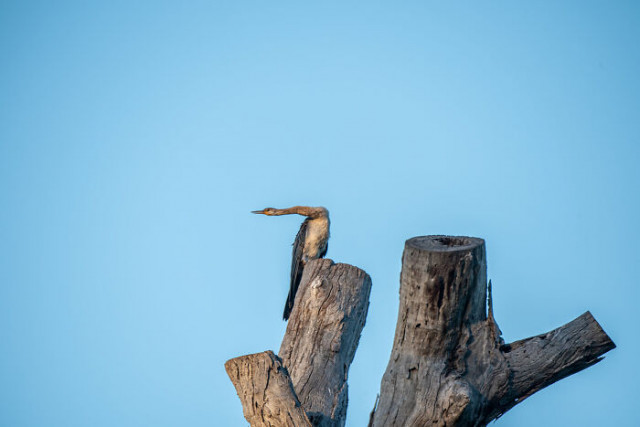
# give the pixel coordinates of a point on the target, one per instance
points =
(265, 390)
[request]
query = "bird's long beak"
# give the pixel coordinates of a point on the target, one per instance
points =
(258, 212)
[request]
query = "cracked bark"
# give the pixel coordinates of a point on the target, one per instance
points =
(449, 365)
(266, 392)
(322, 336)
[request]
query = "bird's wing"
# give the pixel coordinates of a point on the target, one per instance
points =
(297, 266)
(324, 251)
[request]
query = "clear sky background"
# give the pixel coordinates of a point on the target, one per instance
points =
(136, 136)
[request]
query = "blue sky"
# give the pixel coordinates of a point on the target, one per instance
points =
(135, 137)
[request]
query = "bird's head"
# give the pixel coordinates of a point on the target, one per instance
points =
(266, 211)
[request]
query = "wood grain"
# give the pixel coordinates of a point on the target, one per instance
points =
(449, 365)
(265, 390)
(322, 337)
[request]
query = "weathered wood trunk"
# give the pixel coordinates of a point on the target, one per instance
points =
(320, 342)
(449, 365)
(266, 392)
(322, 337)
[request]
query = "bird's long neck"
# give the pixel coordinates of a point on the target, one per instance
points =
(307, 211)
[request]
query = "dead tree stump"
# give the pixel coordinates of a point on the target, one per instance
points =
(320, 342)
(449, 365)
(322, 337)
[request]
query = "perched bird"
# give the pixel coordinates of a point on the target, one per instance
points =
(311, 243)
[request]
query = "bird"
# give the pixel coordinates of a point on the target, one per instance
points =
(311, 243)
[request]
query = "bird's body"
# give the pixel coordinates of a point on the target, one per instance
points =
(311, 243)
(316, 238)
